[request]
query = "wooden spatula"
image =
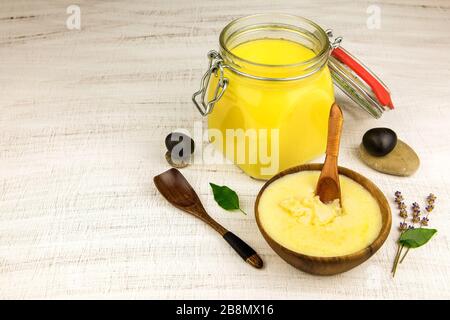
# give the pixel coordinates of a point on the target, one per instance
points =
(328, 187)
(175, 188)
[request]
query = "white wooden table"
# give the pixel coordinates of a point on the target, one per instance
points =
(83, 115)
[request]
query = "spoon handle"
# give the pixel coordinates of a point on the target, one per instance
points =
(243, 249)
(335, 128)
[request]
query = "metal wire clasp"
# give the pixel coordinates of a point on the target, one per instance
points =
(216, 67)
(336, 42)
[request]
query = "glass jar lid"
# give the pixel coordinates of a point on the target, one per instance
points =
(357, 81)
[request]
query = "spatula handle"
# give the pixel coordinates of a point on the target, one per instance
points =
(244, 250)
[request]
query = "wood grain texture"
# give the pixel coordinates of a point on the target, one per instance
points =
(83, 116)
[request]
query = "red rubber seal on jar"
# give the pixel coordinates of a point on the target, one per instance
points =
(377, 87)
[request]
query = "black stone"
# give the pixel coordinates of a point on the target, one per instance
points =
(182, 151)
(379, 141)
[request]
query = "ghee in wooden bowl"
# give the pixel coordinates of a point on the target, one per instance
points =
(322, 238)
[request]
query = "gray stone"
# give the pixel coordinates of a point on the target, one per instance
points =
(402, 161)
(178, 163)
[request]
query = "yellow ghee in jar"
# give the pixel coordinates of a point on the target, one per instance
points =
(298, 109)
(294, 217)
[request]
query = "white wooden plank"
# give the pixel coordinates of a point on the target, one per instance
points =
(83, 115)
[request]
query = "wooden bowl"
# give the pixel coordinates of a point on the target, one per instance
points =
(330, 265)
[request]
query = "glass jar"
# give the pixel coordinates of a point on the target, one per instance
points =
(268, 92)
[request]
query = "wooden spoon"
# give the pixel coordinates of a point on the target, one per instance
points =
(175, 188)
(328, 187)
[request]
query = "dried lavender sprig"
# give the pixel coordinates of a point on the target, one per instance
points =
(398, 197)
(424, 221)
(403, 214)
(403, 226)
(415, 219)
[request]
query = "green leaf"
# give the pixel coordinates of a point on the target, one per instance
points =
(226, 197)
(414, 238)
